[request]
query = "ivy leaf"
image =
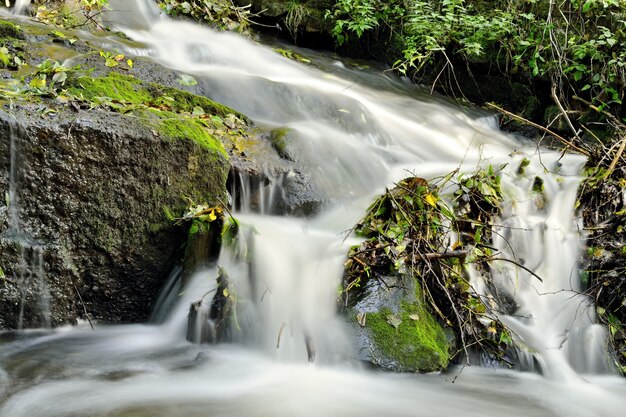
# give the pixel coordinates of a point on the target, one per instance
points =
(38, 82)
(198, 111)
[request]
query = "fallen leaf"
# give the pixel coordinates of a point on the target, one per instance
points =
(394, 320)
(414, 317)
(360, 318)
(431, 199)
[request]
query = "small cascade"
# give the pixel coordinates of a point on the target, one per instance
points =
(353, 140)
(255, 193)
(28, 270)
(20, 6)
(33, 287)
(538, 230)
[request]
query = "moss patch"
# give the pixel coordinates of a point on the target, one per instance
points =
(416, 345)
(118, 87)
(168, 111)
(10, 30)
(412, 337)
(180, 127)
(183, 101)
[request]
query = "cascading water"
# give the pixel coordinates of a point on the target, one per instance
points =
(356, 133)
(28, 272)
(20, 6)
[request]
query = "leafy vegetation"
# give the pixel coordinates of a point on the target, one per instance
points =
(578, 46)
(222, 14)
(80, 14)
(407, 232)
(570, 54)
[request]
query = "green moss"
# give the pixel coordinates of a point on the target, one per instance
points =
(10, 30)
(169, 215)
(418, 343)
(151, 100)
(277, 139)
(183, 101)
(176, 126)
(115, 86)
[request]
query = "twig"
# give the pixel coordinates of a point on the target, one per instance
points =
(516, 264)
(537, 126)
(280, 334)
(84, 308)
(446, 255)
(563, 112)
(601, 111)
(620, 151)
(618, 123)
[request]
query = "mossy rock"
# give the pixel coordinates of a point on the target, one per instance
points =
(396, 331)
(10, 30)
(168, 111)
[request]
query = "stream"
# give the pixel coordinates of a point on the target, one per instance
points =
(357, 131)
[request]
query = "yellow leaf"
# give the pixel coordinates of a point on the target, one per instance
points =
(226, 292)
(129, 63)
(38, 82)
(431, 199)
(119, 57)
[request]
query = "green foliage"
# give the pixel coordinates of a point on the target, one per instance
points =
(578, 44)
(84, 13)
(222, 14)
(407, 232)
(356, 17)
(10, 30)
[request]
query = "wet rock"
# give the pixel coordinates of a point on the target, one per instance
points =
(103, 166)
(394, 329)
(305, 16)
(95, 191)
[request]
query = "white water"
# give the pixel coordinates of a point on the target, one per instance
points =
(20, 6)
(29, 272)
(358, 133)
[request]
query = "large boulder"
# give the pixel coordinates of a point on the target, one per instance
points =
(94, 168)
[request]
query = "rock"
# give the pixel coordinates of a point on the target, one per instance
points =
(394, 329)
(101, 167)
(105, 160)
(304, 17)
(95, 189)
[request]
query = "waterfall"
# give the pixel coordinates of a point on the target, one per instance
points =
(356, 139)
(355, 133)
(28, 271)
(20, 6)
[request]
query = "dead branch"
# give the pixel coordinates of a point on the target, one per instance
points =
(563, 112)
(516, 264)
(537, 126)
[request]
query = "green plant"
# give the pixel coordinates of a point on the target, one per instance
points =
(84, 13)
(222, 14)
(577, 45)
(356, 17)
